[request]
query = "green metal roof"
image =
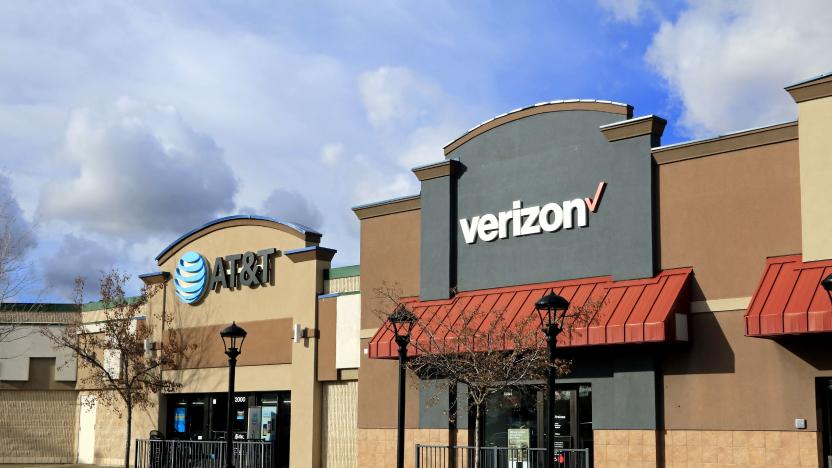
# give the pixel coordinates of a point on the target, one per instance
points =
(343, 272)
(37, 307)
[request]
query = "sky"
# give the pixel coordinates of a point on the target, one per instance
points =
(125, 124)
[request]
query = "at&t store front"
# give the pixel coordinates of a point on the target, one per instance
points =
(294, 378)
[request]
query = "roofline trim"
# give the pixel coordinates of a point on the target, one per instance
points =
(519, 113)
(386, 207)
(304, 232)
(742, 139)
(808, 80)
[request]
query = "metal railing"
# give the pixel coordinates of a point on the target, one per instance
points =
(200, 454)
(462, 456)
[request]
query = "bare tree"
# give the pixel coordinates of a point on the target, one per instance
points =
(487, 351)
(119, 370)
(16, 239)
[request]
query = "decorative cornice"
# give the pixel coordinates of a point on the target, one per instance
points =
(541, 108)
(314, 252)
(813, 88)
(382, 208)
(640, 126)
(445, 168)
(155, 277)
(725, 143)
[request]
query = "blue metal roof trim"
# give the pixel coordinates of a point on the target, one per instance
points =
(807, 80)
(296, 226)
(155, 273)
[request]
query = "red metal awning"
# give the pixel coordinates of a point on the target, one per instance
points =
(790, 299)
(633, 311)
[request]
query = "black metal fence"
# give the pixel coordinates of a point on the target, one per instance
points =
(200, 454)
(462, 456)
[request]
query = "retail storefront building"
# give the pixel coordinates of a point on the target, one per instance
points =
(712, 346)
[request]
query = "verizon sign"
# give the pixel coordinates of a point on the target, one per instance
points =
(523, 221)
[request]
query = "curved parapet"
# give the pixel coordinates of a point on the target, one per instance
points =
(625, 110)
(309, 235)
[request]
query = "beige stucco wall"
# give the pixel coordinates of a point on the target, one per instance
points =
(815, 173)
(111, 430)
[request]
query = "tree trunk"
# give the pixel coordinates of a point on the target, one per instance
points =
(129, 433)
(477, 441)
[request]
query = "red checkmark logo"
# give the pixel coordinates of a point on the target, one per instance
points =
(594, 203)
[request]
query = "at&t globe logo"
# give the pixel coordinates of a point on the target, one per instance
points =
(191, 277)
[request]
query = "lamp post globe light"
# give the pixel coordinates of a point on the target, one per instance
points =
(402, 321)
(551, 309)
(827, 285)
(232, 338)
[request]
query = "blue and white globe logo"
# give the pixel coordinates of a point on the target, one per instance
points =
(191, 277)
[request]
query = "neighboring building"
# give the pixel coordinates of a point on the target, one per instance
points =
(38, 409)
(713, 341)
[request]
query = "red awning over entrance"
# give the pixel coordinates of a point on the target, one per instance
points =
(633, 311)
(790, 299)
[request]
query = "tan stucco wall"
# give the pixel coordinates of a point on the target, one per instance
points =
(728, 381)
(389, 254)
(724, 214)
(111, 430)
(815, 118)
(378, 393)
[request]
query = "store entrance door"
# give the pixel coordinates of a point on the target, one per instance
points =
(517, 418)
(573, 420)
(825, 426)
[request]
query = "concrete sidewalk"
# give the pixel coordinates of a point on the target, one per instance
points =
(36, 465)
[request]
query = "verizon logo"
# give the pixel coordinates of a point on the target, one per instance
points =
(524, 221)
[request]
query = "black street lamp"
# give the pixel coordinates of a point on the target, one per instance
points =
(827, 285)
(232, 338)
(552, 311)
(402, 321)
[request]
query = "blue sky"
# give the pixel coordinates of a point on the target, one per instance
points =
(125, 124)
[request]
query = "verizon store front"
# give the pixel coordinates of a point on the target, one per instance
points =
(711, 341)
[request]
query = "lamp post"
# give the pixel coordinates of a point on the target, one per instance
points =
(232, 338)
(402, 321)
(552, 311)
(827, 285)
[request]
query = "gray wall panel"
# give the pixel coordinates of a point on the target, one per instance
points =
(438, 238)
(545, 158)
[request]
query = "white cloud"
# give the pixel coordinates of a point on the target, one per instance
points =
(331, 153)
(623, 10)
(727, 62)
(292, 206)
(138, 169)
(397, 96)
